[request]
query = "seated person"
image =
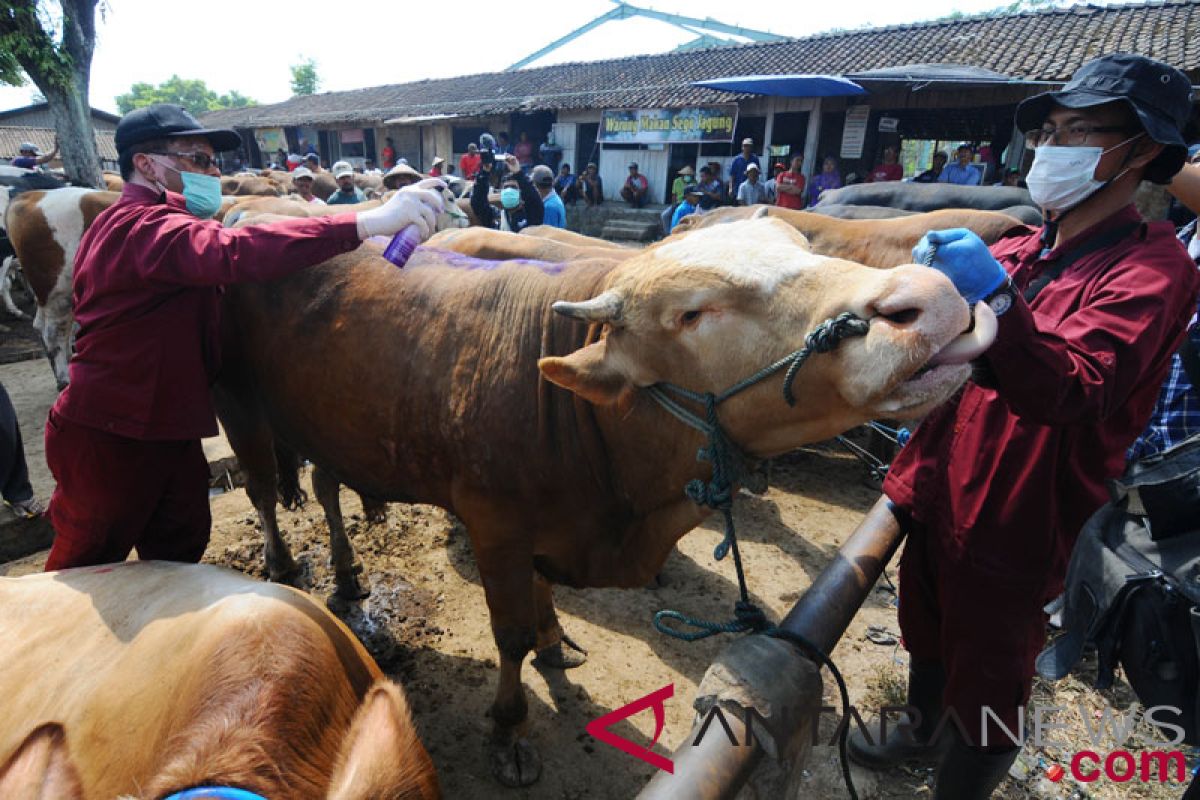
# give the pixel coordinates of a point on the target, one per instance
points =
(932, 174)
(962, 172)
(636, 187)
(591, 186)
(889, 170)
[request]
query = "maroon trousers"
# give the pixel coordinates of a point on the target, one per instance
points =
(115, 494)
(986, 630)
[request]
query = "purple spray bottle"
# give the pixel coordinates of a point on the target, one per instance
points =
(402, 245)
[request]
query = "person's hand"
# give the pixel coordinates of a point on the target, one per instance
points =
(964, 259)
(514, 166)
(418, 204)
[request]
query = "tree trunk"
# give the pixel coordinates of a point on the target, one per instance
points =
(76, 136)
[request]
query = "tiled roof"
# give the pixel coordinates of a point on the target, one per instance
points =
(1042, 45)
(12, 137)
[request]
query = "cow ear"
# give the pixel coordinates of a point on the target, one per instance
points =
(381, 755)
(42, 768)
(589, 373)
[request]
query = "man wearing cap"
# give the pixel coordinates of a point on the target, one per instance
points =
(687, 177)
(752, 191)
(995, 485)
(312, 162)
(302, 180)
(520, 203)
(636, 187)
(29, 158)
(689, 205)
(931, 175)
(553, 211)
(737, 167)
(347, 193)
(123, 439)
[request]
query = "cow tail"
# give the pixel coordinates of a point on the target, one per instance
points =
(287, 468)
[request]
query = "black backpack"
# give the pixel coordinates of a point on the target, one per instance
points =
(1133, 588)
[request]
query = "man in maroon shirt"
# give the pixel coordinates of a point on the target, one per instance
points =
(995, 485)
(889, 170)
(123, 439)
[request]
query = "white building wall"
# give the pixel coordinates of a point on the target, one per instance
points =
(614, 169)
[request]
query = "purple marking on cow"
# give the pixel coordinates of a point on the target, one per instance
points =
(433, 256)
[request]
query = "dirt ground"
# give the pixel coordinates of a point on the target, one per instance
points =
(426, 623)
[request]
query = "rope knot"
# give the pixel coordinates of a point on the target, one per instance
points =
(749, 615)
(708, 494)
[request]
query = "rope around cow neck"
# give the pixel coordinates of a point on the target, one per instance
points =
(730, 466)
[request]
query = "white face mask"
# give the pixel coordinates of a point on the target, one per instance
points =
(1063, 177)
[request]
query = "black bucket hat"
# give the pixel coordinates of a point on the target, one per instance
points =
(1158, 93)
(165, 120)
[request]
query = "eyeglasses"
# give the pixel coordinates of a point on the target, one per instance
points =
(203, 161)
(1074, 135)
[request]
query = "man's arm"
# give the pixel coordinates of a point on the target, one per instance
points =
(1083, 368)
(46, 159)
(479, 200)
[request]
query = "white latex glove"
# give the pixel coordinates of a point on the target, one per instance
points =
(418, 204)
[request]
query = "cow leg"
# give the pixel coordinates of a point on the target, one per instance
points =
(53, 321)
(554, 648)
(347, 569)
(251, 439)
(374, 511)
(506, 569)
(7, 278)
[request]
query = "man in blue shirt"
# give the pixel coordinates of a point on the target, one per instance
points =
(564, 184)
(554, 212)
(691, 199)
(961, 171)
(737, 167)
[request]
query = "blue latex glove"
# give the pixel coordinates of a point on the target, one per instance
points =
(964, 259)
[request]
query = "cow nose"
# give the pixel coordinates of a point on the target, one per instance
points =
(920, 300)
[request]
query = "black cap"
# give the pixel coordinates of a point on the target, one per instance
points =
(164, 120)
(1158, 93)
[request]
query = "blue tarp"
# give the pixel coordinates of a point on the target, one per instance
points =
(787, 85)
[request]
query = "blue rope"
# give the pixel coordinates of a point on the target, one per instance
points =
(729, 467)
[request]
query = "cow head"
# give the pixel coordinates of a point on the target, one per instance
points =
(709, 309)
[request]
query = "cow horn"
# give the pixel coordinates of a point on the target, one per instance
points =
(760, 213)
(606, 307)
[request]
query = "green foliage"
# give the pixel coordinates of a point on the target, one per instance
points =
(31, 42)
(194, 95)
(304, 77)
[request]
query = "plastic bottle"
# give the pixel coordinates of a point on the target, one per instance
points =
(402, 245)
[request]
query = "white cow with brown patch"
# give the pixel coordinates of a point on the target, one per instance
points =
(45, 228)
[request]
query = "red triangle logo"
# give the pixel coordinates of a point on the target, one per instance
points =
(599, 728)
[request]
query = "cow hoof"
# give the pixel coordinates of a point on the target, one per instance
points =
(563, 654)
(287, 572)
(516, 763)
(353, 587)
(375, 514)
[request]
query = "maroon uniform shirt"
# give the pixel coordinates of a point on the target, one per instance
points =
(146, 293)
(1005, 477)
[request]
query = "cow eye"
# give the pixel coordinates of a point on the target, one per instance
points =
(690, 316)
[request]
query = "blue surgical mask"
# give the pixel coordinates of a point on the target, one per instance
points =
(202, 193)
(510, 198)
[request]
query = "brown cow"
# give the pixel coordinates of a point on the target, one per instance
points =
(241, 187)
(146, 678)
(45, 229)
(434, 384)
(874, 242)
(494, 245)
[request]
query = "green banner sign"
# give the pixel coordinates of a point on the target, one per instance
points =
(655, 125)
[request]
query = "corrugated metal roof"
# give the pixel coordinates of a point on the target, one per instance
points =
(1042, 46)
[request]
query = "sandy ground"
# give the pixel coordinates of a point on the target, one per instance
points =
(426, 623)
